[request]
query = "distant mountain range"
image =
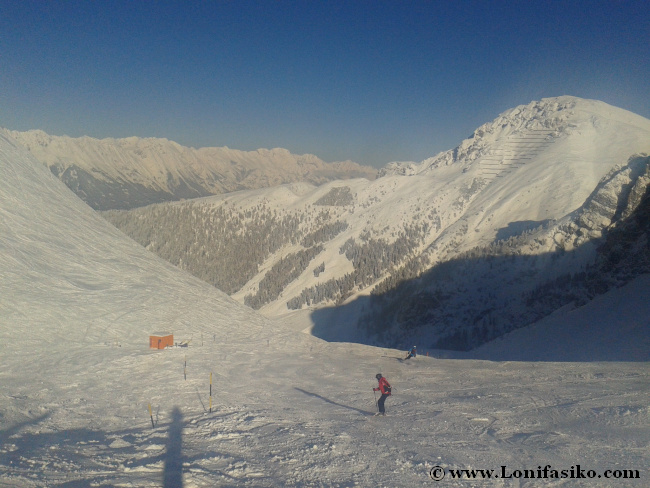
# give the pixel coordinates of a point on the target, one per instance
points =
(542, 208)
(133, 172)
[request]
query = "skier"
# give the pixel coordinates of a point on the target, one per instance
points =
(412, 353)
(385, 389)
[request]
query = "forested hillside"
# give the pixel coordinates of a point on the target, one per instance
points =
(228, 246)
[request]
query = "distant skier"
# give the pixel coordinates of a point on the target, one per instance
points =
(412, 353)
(385, 389)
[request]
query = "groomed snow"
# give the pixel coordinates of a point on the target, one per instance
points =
(78, 301)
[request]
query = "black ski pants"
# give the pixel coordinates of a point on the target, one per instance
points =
(380, 403)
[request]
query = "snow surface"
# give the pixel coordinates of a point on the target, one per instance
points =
(78, 301)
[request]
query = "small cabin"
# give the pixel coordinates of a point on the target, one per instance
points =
(161, 340)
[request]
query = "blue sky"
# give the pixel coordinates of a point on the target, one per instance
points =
(370, 81)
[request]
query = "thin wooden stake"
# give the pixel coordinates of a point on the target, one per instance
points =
(151, 416)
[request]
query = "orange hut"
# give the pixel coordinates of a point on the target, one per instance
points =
(161, 340)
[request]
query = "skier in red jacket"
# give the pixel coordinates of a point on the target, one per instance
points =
(385, 389)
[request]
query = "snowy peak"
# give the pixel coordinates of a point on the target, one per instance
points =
(533, 163)
(519, 134)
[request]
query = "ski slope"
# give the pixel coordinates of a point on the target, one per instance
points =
(78, 301)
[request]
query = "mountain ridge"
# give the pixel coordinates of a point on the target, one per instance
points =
(130, 172)
(551, 116)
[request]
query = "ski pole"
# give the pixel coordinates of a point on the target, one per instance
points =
(376, 404)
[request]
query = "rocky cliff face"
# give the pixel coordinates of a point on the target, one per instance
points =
(133, 172)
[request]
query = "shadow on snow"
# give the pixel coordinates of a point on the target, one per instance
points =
(332, 402)
(461, 304)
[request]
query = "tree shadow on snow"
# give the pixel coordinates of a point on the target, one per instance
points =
(514, 229)
(5, 434)
(26, 449)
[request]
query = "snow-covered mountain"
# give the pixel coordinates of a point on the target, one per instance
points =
(84, 402)
(448, 252)
(132, 172)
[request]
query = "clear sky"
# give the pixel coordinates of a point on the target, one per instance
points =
(371, 81)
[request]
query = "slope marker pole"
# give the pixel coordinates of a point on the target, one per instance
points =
(210, 392)
(151, 416)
